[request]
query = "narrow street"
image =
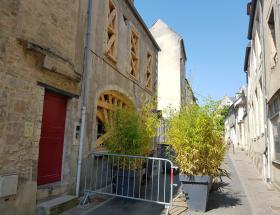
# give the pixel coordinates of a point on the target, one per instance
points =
(244, 194)
(129, 107)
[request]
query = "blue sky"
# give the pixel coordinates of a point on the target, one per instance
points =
(215, 36)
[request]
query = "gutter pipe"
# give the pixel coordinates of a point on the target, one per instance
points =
(84, 95)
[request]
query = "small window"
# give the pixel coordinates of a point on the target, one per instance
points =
(111, 42)
(149, 71)
(272, 39)
(274, 107)
(276, 132)
(134, 55)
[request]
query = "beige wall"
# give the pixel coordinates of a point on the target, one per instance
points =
(272, 80)
(40, 46)
(265, 71)
(255, 104)
(171, 67)
(104, 75)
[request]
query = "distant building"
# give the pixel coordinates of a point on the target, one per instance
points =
(226, 101)
(235, 121)
(171, 68)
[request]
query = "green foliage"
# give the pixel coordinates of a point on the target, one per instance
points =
(196, 136)
(130, 132)
(149, 116)
(223, 114)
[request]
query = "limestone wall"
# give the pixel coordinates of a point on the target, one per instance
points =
(38, 41)
(42, 47)
(106, 75)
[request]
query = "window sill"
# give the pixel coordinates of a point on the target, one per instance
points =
(276, 162)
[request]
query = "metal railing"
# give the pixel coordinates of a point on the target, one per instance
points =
(147, 179)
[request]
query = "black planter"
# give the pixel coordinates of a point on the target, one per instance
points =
(127, 182)
(196, 189)
(166, 151)
(148, 168)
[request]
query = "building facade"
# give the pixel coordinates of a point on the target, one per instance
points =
(171, 68)
(42, 47)
(41, 58)
(235, 121)
(226, 101)
(123, 68)
(261, 66)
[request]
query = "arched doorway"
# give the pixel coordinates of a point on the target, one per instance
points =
(107, 101)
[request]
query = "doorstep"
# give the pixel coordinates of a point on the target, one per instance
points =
(49, 191)
(57, 205)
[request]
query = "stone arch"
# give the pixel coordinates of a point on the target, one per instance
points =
(106, 102)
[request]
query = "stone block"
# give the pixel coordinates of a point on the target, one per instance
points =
(57, 206)
(8, 185)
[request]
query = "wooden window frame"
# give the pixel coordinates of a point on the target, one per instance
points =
(149, 71)
(111, 31)
(134, 60)
(106, 103)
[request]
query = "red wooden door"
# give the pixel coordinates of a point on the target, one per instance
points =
(52, 137)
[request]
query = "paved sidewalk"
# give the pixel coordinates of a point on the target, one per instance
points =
(263, 198)
(227, 196)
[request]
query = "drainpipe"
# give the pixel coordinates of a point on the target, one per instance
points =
(267, 147)
(84, 95)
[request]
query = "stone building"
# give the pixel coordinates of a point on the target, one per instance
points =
(261, 66)
(226, 101)
(171, 67)
(123, 63)
(41, 58)
(235, 121)
(42, 45)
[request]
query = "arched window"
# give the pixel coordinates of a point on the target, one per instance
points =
(107, 101)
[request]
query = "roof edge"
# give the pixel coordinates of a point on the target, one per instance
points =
(251, 10)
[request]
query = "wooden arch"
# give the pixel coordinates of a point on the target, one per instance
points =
(107, 101)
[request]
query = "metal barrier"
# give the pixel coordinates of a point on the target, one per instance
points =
(133, 177)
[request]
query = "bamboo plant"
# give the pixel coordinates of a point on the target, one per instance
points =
(195, 134)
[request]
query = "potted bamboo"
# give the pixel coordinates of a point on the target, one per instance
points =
(129, 133)
(195, 134)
